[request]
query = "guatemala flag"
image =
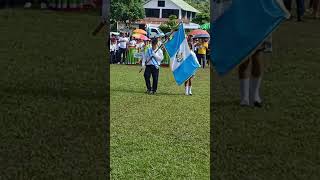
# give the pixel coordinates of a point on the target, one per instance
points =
(240, 27)
(183, 63)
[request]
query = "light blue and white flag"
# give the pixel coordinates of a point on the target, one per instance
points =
(240, 27)
(183, 63)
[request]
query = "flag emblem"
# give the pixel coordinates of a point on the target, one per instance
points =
(179, 56)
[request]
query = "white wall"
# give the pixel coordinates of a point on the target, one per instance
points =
(153, 4)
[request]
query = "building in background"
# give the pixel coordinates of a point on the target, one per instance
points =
(158, 12)
(165, 8)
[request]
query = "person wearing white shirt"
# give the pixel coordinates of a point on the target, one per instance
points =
(140, 49)
(113, 50)
(151, 63)
(133, 43)
(123, 43)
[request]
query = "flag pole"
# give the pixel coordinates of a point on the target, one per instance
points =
(161, 45)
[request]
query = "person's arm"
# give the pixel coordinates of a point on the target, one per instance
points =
(144, 59)
(158, 56)
(206, 45)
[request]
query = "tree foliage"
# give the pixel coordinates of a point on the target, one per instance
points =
(171, 24)
(201, 18)
(202, 5)
(126, 10)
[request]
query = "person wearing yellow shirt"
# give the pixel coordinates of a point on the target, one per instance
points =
(202, 52)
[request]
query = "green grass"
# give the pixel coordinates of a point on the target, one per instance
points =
(53, 97)
(165, 136)
(280, 140)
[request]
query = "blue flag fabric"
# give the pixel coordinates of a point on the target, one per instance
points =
(241, 28)
(183, 63)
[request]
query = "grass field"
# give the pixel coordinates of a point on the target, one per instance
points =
(280, 140)
(53, 96)
(165, 136)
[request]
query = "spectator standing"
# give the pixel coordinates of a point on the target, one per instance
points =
(113, 50)
(123, 44)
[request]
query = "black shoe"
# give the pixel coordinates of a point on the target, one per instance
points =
(257, 104)
(153, 92)
(148, 92)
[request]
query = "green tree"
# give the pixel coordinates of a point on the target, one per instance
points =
(171, 24)
(201, 18)
(127, 10)
(202, 5)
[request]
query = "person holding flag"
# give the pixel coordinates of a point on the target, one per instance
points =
(188, 83)
(184, 64)
(250, 80)
(151, 63)
(240, 35)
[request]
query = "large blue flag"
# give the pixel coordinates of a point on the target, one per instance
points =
(183, 63)
(239, 27)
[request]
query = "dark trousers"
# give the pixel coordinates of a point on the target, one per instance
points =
(151, 70)
(202, 58)
(300, 7)
(113, 57)
(123, 52)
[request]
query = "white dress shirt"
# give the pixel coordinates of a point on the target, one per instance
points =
(158, 56)
(123, 42)
(114, 47)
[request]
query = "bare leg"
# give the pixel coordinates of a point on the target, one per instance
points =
(256, 70)
(244, 69)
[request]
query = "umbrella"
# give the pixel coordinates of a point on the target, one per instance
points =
(140, 36)
(140, 31)
(201, 36)
(197, 32)
(205, 26)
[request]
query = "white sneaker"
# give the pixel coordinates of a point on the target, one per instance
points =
(27, 5)
(43, 6)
